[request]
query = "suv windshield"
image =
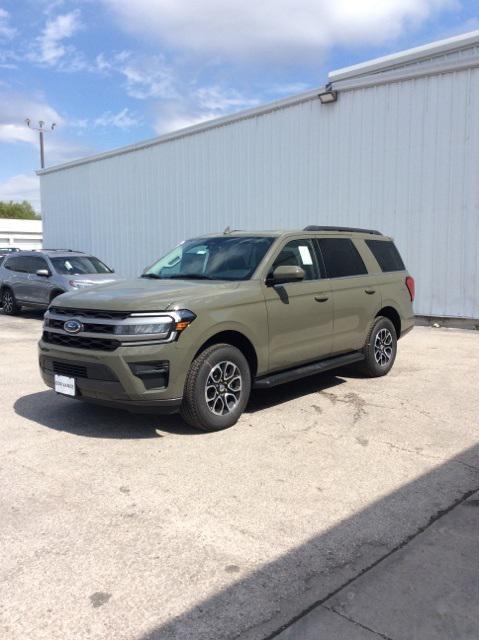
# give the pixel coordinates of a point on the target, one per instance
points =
(79, 265)
(218, 258)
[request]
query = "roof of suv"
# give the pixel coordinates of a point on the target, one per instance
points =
(311, 229)
(51, 253)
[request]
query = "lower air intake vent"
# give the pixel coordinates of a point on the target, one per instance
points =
(71, 370)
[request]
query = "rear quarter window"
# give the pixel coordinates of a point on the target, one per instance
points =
(18, 264)
(386, 254)
(341, 258)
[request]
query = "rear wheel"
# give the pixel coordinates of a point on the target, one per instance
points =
(380, 349)
(217, 388)
(9, 304)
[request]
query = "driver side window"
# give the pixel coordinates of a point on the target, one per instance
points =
(299, 253)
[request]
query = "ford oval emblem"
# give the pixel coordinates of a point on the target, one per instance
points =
(72, 326)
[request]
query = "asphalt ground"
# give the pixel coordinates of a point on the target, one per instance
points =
(135, 527)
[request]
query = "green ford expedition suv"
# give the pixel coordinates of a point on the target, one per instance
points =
(222, 314)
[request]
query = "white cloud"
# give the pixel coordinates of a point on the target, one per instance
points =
(21, 187)
(16, 133)
(274, 28)
(15, 107)
(144, 76)
(124, 119)
(7, 32)
(218, 100)
(175, 117)
(51, 42)
(192, 107)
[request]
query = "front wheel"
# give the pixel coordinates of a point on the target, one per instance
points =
(381, 347)
(217, 388)
(9, 303)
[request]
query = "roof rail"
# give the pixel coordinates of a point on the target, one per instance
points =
(314, 227)
(65, 250)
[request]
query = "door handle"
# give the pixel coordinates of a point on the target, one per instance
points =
(321, 298)
(369, 291)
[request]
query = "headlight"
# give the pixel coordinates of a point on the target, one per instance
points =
(78, 285)
(150, 325)
(159, 328)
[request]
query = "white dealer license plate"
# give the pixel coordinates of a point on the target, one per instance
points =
(65, 385)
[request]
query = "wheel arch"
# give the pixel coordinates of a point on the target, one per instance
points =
(54, 293)
(238, 340)
(392, 314)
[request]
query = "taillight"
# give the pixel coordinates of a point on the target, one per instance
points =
(410, 284)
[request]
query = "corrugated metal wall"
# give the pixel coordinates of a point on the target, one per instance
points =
(401, 157)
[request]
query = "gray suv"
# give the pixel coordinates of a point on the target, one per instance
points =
(34, 278)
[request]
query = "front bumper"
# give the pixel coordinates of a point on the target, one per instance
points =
(107, 378)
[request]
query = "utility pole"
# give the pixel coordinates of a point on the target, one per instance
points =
(42, 128)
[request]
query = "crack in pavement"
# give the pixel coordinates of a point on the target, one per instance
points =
(357, 624)
(434, 518)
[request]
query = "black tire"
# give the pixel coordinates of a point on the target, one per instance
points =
(211, 375)
(380, 349)
(10, 305)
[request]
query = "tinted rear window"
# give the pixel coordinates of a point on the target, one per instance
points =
(35, 263)
(386, 255)
(341, 258)
(16, 264)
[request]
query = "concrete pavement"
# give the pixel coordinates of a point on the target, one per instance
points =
(136, 527)
(427, 589)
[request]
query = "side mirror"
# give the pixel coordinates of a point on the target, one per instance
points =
(284, 274)
(43, 273)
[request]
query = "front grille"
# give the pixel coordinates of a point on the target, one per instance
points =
(70, 370)
(88, 326)
(88, 313)
(80, 342)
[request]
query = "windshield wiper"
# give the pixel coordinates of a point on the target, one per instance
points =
(190, 276)
(150, 275)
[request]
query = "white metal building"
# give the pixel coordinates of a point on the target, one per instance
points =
(23, 234)
(398, 151)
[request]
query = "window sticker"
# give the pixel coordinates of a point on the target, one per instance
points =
(68, 265)
(305, 254)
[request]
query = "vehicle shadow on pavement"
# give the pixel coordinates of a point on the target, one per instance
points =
(404, 566)
(29, 314)
(93, 421)
(264, 398)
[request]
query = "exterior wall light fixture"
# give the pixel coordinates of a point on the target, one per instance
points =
(328, 95)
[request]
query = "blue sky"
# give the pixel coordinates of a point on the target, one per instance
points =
(112, 72)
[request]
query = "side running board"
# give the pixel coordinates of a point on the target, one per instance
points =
(266, 382)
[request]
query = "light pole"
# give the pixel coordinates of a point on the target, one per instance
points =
(42, 128)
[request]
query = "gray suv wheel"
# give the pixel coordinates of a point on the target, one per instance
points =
(9, 303)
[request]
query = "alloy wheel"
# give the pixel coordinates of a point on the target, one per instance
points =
(223, 388)
(7, 302)
(383, 347)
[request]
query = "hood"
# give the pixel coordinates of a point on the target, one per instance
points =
(145, 294)
(95, 278)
